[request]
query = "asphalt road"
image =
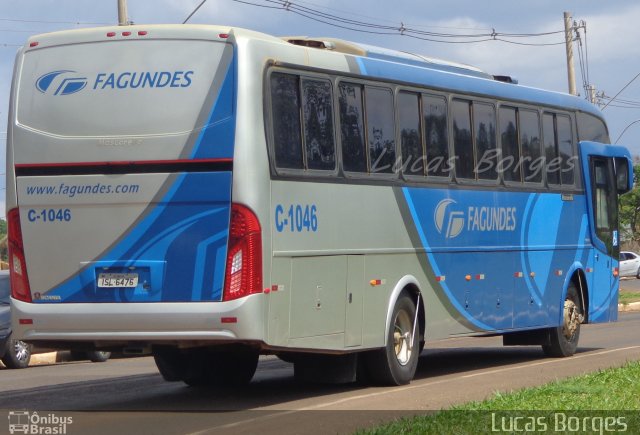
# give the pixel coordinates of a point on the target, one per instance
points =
(128, 396)
(630, 284)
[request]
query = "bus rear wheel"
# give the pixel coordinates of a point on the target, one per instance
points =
(396, 363)
(563, 340)
(222, 368)
(204, 367)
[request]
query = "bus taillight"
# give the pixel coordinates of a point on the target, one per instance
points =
(18, 268)
(244, 257)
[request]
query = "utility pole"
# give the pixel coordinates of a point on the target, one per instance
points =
(123, 19)
(592, 94)
(568, 37)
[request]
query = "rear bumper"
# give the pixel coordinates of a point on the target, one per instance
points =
(150, 323)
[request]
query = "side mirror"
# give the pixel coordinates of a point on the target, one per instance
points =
(624, 175)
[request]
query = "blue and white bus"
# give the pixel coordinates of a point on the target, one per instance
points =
(211, 194)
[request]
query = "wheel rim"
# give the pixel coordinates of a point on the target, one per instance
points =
(21, 350)
(572, 319)
(402, 330)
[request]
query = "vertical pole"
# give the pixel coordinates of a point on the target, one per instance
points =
(568, 37)
(123, 19)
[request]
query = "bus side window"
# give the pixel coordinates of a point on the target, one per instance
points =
(318, 124)
(532, 162)
(484, 121)
(380, 129)
(462, 139)
(434, 117)
(566, 153)
(510, 161)
(553, 163)
(591, 128)
(559, 152)
(354, 158)
(410, 133)
(285, 112)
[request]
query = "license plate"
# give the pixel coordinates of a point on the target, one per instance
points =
(117, 280)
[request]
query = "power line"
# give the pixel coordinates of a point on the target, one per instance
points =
(79, 23)
(20, 31)
(625, 87)
(334, 20)
(194, 11)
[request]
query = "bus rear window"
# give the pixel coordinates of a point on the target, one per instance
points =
(351, 128)
(380, 129)
(317, 108)
(285, 109)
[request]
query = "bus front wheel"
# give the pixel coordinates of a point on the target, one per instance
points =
(563, 340)
(396, 363)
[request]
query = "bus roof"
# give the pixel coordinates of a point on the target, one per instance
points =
(446, 75)
(380, 62)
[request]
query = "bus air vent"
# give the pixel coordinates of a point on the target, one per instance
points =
(506, 79)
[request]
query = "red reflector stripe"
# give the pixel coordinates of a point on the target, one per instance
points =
(34, 44)
(229, 319)
(142, 33)
(111, 34)
(25, 321)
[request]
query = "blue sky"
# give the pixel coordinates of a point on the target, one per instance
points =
(611, 39)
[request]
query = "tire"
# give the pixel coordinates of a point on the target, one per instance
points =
(78, 355)
(201, 367)
(223, 368)
(563, 340)
(98, 356)
(172, 364)
(17, 354)
(92, 355)
(638, 273)
(396, 363)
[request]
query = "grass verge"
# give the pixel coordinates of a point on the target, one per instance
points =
(600, 402)
(626, 297)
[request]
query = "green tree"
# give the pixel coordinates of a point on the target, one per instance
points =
(630, 210)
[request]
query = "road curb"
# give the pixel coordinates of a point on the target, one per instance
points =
(633, 306)
(43, 358)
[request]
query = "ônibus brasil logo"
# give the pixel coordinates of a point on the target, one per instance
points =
(63, 82)
(448, 222)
